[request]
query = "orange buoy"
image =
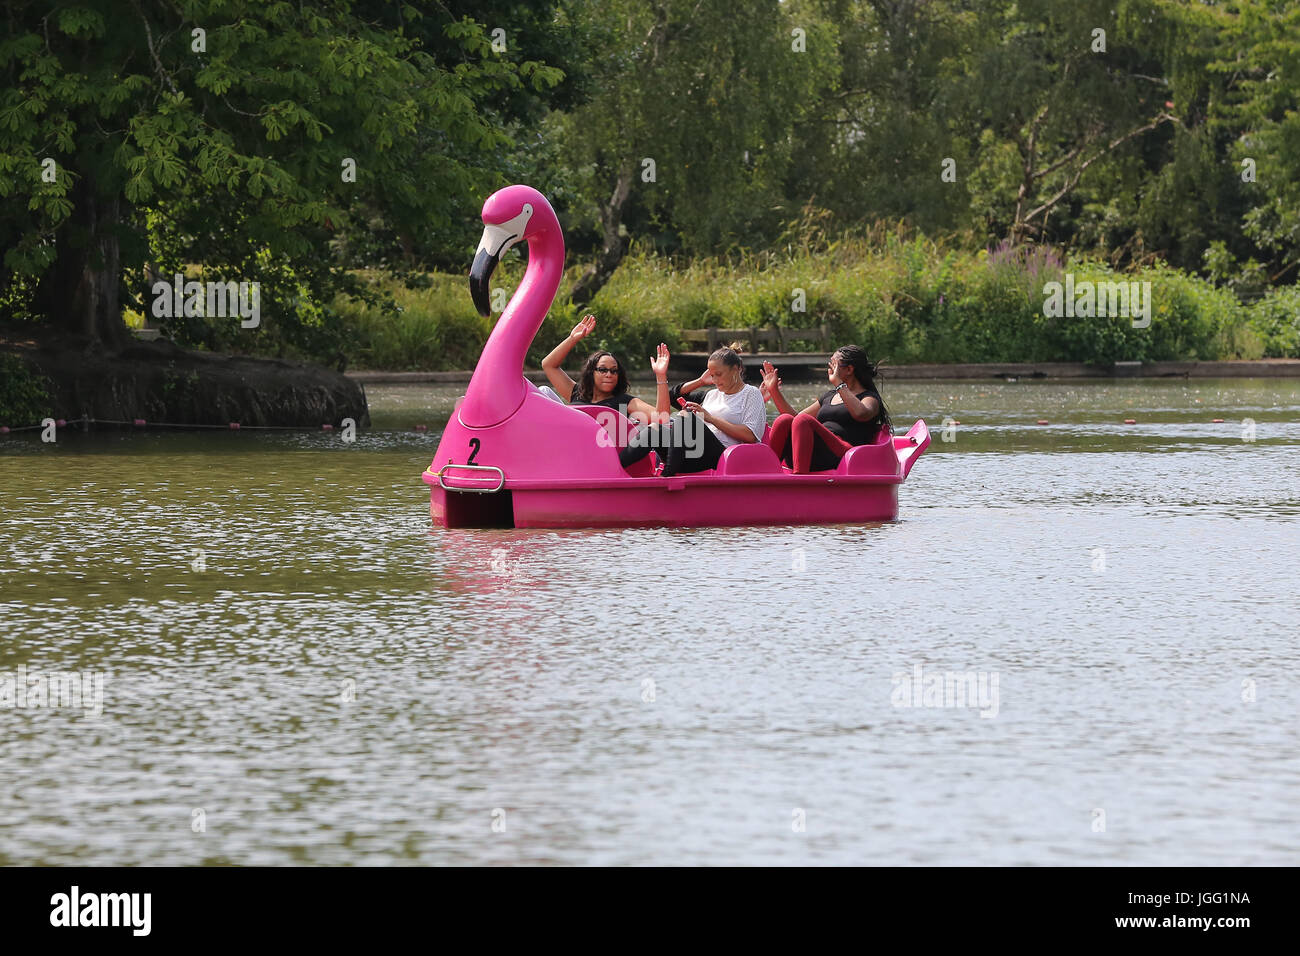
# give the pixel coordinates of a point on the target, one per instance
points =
(1042, 421)
(1130, 421)
(1217, 421)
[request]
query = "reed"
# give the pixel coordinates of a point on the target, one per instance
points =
(905, 298)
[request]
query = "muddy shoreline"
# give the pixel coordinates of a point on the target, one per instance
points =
(162, 383)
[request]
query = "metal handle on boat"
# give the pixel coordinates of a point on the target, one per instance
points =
(501, 475)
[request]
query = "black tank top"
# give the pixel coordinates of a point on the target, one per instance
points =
(614, 401)
(841, 423)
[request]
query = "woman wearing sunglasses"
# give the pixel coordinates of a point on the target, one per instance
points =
(603, 381)
(851, 413)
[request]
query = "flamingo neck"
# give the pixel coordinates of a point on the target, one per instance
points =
(497, 387)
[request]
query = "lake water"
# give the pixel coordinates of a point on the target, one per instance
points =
(296, 669)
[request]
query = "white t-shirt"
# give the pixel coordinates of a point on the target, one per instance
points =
(744, 407)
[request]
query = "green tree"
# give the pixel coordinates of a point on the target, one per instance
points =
(689, 126)
(1258, 59)
(219, 132)
(524, 32)
(1063, 92)
(874, 142)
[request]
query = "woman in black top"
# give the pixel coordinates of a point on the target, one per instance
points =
(602, 380)
(851, 413)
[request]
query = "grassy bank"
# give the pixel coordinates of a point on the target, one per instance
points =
(904, 300)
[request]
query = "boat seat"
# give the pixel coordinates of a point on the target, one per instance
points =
(754, 458)
(878, 458)
(609, 417)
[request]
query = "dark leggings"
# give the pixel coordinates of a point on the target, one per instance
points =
(672, 441)
(805, 444)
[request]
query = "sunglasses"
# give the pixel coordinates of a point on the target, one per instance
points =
(607, 371)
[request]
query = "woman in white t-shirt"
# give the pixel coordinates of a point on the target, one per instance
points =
(732, 413)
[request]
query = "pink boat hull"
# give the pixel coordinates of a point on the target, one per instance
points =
(702, 503)
(749, 486)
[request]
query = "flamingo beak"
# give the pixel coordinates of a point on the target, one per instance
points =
(480, 276)
(496, 240)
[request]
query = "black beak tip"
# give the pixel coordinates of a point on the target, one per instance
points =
(480, 277)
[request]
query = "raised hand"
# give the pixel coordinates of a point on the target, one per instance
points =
(584, 328)
(771, 378)
(659, 363)
(833, 373)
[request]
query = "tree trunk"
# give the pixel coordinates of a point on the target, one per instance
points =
(80, 291)
(611, 253)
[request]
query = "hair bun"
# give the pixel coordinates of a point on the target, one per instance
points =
(728, 355)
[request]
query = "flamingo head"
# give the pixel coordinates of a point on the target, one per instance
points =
(511, 214)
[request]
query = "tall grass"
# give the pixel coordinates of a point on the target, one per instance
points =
(904, 298)
(432, 327)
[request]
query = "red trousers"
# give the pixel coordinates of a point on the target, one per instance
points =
(794, 437)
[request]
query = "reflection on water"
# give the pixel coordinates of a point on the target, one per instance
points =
(298, 670)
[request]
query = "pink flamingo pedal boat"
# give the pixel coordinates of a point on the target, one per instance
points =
(513, 457)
